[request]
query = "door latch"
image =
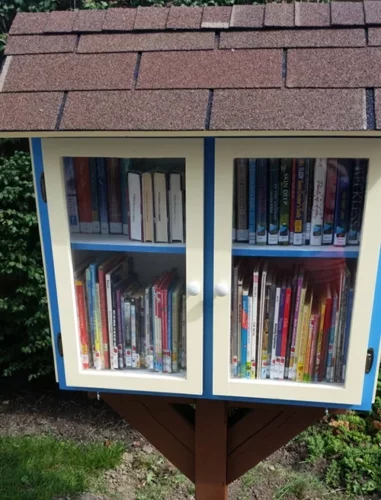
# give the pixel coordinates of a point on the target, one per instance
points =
(369, 359)
(43, 186)
(59, 344)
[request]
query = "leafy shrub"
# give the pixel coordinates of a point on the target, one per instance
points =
(350, 445)
(25, 343)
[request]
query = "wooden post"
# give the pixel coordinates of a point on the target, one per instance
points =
(211, 450)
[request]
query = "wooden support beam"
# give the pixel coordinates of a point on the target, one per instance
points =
(162, 425)
(211, 450)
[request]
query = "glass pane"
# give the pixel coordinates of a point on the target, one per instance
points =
(127, 225)
(296, 238)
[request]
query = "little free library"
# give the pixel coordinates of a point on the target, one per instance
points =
(208, 186)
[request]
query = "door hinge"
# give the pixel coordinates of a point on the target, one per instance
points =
(369, 359)
(43, 186)
(59, 344)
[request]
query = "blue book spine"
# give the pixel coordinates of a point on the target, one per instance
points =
(94, 195)
(341, 221)
(245, 314)
(280, 323)
(124, 167)
(331, 341)
(347, 331)
(252, 179)
(102, 195)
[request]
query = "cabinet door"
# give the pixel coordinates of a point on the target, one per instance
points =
(126, 225)
(295, 282)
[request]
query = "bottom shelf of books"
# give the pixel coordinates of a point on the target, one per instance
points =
(291, 319)
(131, 312)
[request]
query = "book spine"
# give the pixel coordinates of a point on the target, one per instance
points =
(261, 199)
(103, 311)
(285, 332)
(294, 286)
(242, 200)
(114, 196)
(71, 195)
(325, 343)
(183, 352)
(305, 198)
(299, 202)
(83, 333)
(252, 201)
(273, 220)
(331, 340)
(83, 189)
(311, 350)
(318, 201)
(119, 328)
(304, 336)
(298, 307)
(147, 330)
(279, 339)
(342, 325)
(244, 323)
(135, 206)
(284, 202)
(347, 333)
(158, 334)
(99, 327)
(249, 336)
(94, 195)
(176, 217)
(329, 202)
(167, 333)
(271, 320)
(175, 330)
(319, 341)
(342, 203)
(124, 167)
(292, 200)
(112, 349)
(94, 313)
(102, 195)
(161, 207)
(127, 323)
(357, 203)
(134, 336)
(254, 328)
(234, 325)
(309, 202)
(262, 349)
(273, 366)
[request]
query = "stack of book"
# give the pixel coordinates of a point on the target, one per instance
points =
(117, 196)
(298, 201)
(291, 322)
(123, 324)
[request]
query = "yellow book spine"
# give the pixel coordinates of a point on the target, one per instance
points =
(298, 331)
(303, 340)
(98, 330)
(319, 343)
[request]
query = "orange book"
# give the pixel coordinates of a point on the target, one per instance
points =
(83, 327)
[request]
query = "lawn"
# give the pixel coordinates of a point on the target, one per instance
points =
(43, 468)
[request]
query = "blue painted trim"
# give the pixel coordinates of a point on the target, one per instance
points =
(38, 166)
(141, 248)
(209, 161)
(240, 250)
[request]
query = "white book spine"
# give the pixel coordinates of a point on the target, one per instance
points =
(128, 351)
(273, 366)
(254, 325)
(109, 322)
(318, 201)
(161, 214)
(135, 206)
(176, 209)
(261, 363)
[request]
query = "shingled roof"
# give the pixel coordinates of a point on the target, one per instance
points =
(299, 67)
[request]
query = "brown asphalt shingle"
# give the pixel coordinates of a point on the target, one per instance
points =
(334, 67)
(40, 44)
(296, 66)
(284, 109)
(211, 69)
(30, 111)
(134, 42)
(143, 110)
(70, 72)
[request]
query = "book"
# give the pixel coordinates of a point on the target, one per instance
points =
(175, 197)
(125, 166)
(71, 194)
(270, 317)
(85, 345)
(310, 356)
(319, 180)
(135, 206)
(94, 195)
(348, 320)
(261, 201)
(357, 201)
(319, 340)
(329, 372)
(299, 202)
(329, 202)
(147, 207)
(254, 321)
(292, 200)
(277, 329)
(297, 319)
(342, 203)
(308, 202)
(273, 217)
(252, 202)
(244, 325)
(284, 201)
(285, 331)
(114, 196)
(262, 335)
(303, 335)
(83, 190)
(160, 207)
(242, 229)
(102, 195)
(234, 323)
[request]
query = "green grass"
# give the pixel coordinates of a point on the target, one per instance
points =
(35, 467)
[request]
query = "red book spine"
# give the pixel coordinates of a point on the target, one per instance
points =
(83, 188)
(103, 308)
(292, 201)
(83, 333)
(286, 318)
(326, 327)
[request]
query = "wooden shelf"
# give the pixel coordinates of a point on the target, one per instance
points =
(329, 251)
(120, 243)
